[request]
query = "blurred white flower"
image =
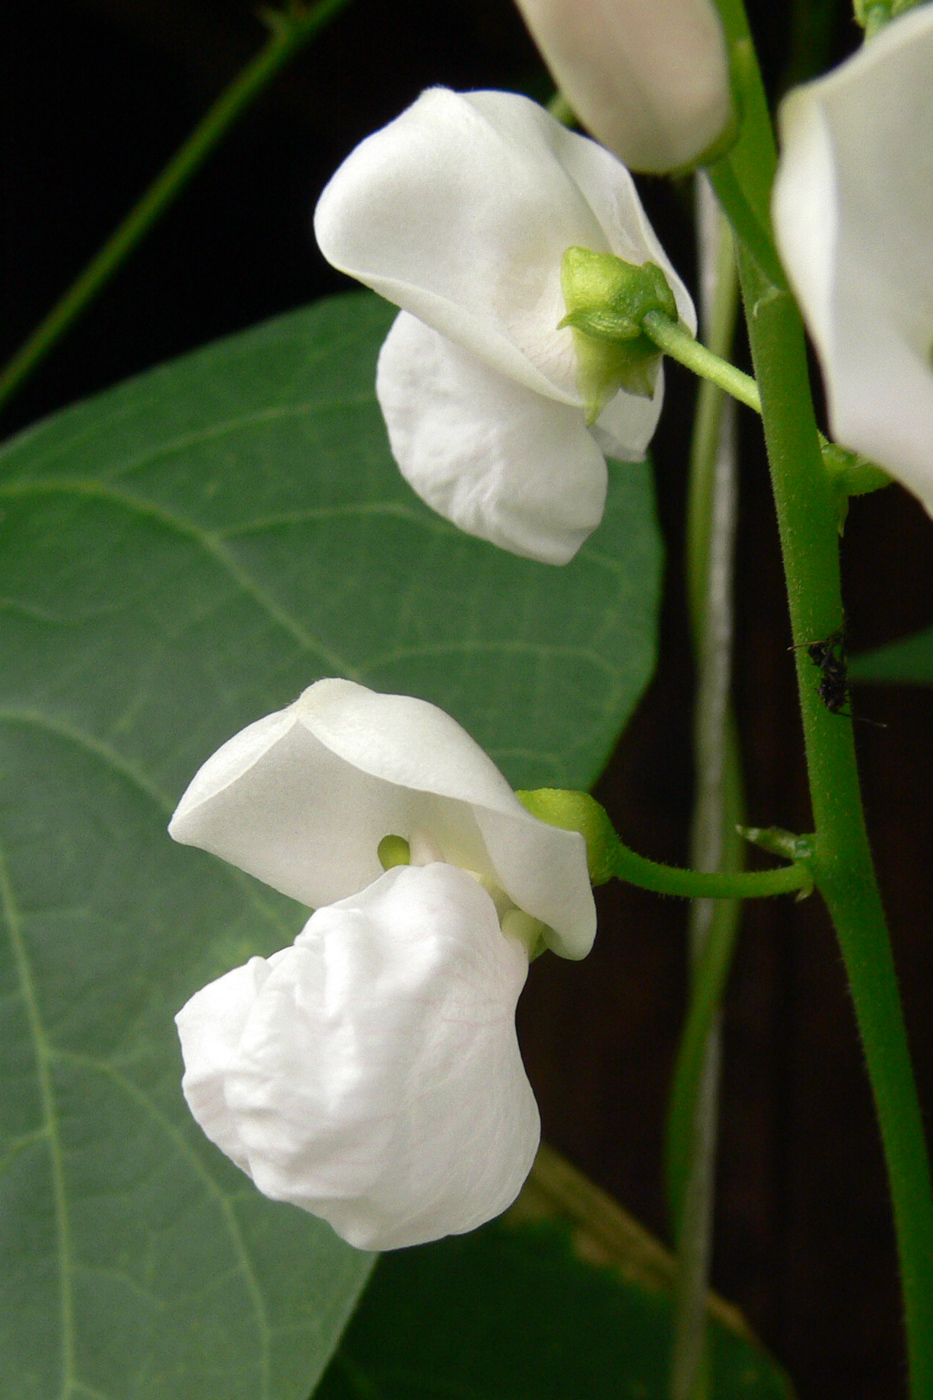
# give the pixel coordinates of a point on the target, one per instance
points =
(371, 1073)
(303, 797)
(649, 78)
(460, 212)
(853, 216)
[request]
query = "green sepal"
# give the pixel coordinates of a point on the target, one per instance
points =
(889, 9)
(850, 475)
(578, 811)
(607, 299)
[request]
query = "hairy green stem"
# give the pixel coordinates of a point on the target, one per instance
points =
(841, 863)
(290, 30)
(675, 340)
(708, 884)
(718, 808)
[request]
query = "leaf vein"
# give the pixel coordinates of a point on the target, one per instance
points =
(50, 1115)
(209, 542)
(225, 1203)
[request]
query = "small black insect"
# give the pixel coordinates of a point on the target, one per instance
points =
(830, 656)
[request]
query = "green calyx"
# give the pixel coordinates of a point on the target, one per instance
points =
(606, 300)
(578, 811)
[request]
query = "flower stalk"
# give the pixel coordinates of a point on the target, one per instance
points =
(675, 340)
(710, 884)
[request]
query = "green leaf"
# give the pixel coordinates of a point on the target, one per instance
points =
(905, 662)
(178, 557)
(566, 1297)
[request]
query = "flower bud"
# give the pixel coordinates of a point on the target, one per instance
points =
(648, 78)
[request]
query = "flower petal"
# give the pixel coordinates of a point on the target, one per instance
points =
(346, 766)
(626, 425)
(211, 1025)
(649, 78)
(853, 209)
(376, 1080)
(460, 211)
(500, 461)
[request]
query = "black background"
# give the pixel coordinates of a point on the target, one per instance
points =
(96, 96)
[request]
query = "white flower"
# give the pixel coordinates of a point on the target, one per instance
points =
(853, 215)
(371, 1073)
(303, 797)
(460, 212)
(649, 78)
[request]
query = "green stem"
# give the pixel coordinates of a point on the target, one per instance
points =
(708, 985)
(842, 864)
(715, 843)
(675, 340)
(708, 884)
(290, 31)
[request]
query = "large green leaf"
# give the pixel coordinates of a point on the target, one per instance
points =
(908, 661)
(178, 557)
(566, 1297)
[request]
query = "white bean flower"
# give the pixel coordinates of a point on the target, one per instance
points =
(853, 216)
(460, 211)
(649, 78)
(370, 1073)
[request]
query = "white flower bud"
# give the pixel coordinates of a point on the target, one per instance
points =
(649, 78)
(370, 1074)
(853, 217)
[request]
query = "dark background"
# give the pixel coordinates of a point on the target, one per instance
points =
(96, 96)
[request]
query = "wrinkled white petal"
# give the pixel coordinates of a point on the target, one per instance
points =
(460, 212)
(649, 78)
(211, 1026)
(302, 798)
(502, 462)
(853, 214)
(374, 1077)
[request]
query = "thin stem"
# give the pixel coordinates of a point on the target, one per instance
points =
(711, 884)
(289, 32)
(842, 864)
(675, 340)
(715, 844)
(709, 981)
